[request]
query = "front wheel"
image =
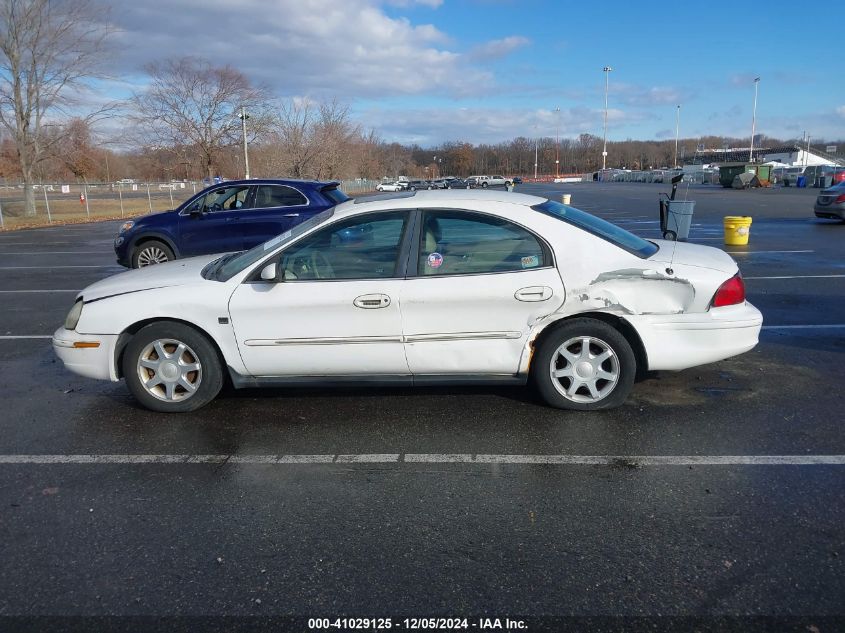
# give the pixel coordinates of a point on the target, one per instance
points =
(586, 365)
(172, 368)
(151, 252)
(670, 235)
(484, 185)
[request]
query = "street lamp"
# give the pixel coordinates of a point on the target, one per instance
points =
(557, 142)
(606, 71)
(677, 131)
(243, 116)
(753, 120)
(536, 148)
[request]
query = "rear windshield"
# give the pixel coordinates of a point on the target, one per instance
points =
(335, 195)
(598, 227)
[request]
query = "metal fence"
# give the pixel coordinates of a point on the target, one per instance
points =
(76, 202)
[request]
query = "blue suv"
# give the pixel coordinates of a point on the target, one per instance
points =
(230, 216)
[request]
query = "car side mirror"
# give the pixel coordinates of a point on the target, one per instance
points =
(269, 272)
(196, 212)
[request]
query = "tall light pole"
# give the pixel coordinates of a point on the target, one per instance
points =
(557, 142)
(606, 71)
(753, 120)
(677, 132)
(243, 116)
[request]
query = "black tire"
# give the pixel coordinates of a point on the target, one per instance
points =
(621, 364)
(670, 235)
(484, 185)
(167, 395)
(151, 252)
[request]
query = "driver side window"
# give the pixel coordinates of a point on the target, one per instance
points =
(361, 248)
(223, 199)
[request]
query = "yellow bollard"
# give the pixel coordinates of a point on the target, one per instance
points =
(737, 230)
(566, 198)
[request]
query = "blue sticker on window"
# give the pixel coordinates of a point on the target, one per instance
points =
(532, 261)
(435, 260)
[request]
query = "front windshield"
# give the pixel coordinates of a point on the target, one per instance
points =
(598, 227)
(228, 266)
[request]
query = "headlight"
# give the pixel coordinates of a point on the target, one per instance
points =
(73, 316)
(126, 226)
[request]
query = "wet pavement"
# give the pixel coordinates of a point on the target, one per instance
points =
(451, 535)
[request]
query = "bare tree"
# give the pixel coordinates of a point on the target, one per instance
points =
(46, 48)
(295, 138)
(335, 135)
(191, 103)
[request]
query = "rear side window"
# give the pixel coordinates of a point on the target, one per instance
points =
(278, 196)
(456, 243)
(598, 227)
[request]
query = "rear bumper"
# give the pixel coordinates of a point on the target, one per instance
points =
(91, 362)
(829, 211)
(681, 341)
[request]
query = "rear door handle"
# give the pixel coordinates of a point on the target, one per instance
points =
(534, 293)
(372, 301)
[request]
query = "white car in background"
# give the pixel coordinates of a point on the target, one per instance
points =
(390, 186)
(418, 288)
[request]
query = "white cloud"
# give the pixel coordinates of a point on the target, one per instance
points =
(348, 49)
(495, 49)
(407, 3)
(841, 111)
(489, 125)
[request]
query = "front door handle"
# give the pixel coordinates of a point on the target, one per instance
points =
(372, 301)
(534, 293)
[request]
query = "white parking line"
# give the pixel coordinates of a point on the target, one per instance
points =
(57, 253)
(436, 458)
(58, 266)
(14, 291)
(763, 252)
(831, 326)
(798, 277)
(19, 338)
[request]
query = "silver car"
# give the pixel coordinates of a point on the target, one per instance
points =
(831, 203)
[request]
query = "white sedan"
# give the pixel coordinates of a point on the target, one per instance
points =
(418, 288)
(390, 186)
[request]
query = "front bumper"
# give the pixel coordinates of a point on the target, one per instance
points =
(91, 362)
(681, 341)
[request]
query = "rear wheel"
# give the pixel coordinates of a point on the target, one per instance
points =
(670, 235)
(172, 368)
(586, 365)
(151, 252)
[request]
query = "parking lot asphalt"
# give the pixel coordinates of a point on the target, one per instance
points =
(715, 491)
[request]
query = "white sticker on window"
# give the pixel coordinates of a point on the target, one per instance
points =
(532, 261)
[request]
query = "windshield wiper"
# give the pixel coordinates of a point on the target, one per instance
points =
(218, 265)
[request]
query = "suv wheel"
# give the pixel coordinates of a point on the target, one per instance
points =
(151, 252)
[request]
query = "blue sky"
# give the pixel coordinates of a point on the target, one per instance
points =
(428, 71)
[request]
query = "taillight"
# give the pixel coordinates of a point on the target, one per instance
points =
(840, 199)
(729, 293)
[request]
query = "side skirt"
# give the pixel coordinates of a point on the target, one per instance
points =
(240, 381)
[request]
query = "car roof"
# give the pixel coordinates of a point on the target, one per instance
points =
(434, 199)
(281, 181)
